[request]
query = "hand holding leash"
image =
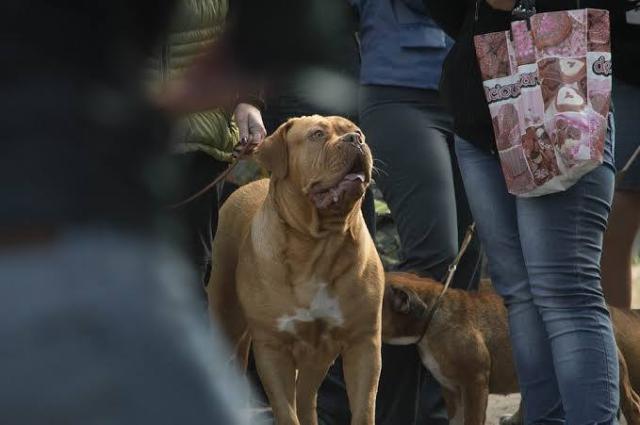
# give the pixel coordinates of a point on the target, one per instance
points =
(251, 127)
(242, 151)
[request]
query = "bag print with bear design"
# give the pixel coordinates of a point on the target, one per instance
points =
(547, 82)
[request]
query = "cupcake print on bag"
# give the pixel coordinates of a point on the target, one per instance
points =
(548, 86)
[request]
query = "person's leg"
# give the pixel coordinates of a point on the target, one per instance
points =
(624, 224)
(494, 210)
(199, 216)
(561, 236)
(416, 180)
(469, 270)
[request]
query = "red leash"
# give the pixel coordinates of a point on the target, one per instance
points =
(237, 155)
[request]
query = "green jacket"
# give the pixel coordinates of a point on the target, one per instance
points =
(196, 26)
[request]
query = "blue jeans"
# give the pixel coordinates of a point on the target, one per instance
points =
(544, 259)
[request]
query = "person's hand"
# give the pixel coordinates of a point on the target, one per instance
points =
(506, 5)
(252, 131)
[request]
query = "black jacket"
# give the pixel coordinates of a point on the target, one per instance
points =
(625, 38)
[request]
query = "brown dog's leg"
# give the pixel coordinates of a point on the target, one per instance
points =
(222, 295)
(277, 371)
(362, 365)
(310, 376)
(629, 399)
(454, 408)
(225, 310)
(475, 397)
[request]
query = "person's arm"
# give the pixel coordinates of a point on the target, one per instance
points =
(216, 80)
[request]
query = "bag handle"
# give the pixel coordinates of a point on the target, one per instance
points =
(524, 10)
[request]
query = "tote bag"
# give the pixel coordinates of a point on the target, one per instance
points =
(547, 82)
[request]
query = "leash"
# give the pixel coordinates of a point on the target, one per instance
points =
(448, 279)
(237, 155)
(626, 167)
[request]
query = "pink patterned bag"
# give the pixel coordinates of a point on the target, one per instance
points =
(548, 86)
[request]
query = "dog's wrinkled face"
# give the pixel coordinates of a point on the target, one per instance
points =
(325, 157)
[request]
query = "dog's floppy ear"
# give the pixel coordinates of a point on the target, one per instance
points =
(273, 154)
(406, 301)
(400, 299)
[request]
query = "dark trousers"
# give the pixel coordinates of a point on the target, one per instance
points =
(200, 216)
(412, 143)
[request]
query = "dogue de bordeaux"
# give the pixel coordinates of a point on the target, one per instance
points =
(295, 272)
(467, 349)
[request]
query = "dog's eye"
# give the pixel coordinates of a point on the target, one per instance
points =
(317, 135)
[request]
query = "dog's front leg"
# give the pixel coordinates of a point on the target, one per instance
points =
(310, 376)
(362, 365)
(475, 397)
(277, 371)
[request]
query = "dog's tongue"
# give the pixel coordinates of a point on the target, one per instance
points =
(348, 186)
(354, 177)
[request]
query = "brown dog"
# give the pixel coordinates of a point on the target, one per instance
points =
(466, 346)
(296, 272)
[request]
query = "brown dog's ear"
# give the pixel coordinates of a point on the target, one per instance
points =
(273, 154)
(406, 301)
(400, 300)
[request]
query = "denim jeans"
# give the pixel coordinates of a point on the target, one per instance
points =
(544, 259)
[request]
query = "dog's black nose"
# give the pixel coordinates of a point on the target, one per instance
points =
(355, 138)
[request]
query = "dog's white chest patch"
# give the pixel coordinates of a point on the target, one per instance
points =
(322, 307)
(432, 365)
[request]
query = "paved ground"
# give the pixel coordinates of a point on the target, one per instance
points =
(500, 405)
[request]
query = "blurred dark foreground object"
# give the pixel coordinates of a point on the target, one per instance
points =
(278, 35)
(81, 141)
(98, 330)
(79, 137)
(266, 41)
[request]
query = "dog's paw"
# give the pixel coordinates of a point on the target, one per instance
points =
(511, 420)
